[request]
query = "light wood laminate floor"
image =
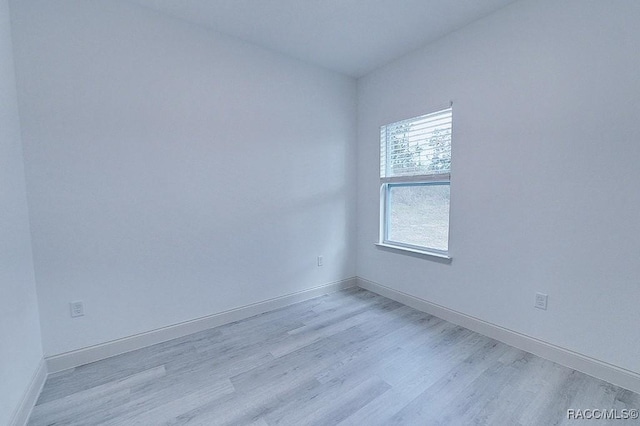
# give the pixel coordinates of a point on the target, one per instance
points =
(351, 358)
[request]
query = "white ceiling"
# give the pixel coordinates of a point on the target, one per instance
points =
(353, 37)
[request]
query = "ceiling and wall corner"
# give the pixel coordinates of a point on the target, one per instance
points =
(352, 37)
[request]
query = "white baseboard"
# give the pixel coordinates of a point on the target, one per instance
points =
(22, 413)
(105, 350)
(591, 366)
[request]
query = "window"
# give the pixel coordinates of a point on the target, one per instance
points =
(415, 164)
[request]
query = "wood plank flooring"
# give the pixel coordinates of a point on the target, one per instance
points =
(348, 358)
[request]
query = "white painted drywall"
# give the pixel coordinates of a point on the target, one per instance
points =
(20, 346)
(173, 172)
(545, 188)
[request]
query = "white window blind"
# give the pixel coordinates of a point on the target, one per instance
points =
(416, 149)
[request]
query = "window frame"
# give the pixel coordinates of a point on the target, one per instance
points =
(387, 183)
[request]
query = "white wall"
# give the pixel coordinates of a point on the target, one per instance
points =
(545, 172)
(174, 173)
(20, 347)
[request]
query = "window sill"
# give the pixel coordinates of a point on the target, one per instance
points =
(420, 252)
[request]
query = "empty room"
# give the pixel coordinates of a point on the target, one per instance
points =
(319, 212)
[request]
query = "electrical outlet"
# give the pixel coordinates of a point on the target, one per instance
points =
(77, 309)
(541, 301)
(320, 261)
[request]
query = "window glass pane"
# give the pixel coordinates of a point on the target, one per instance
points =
(419, 215)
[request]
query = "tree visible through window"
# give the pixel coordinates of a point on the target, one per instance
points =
(415, 164)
